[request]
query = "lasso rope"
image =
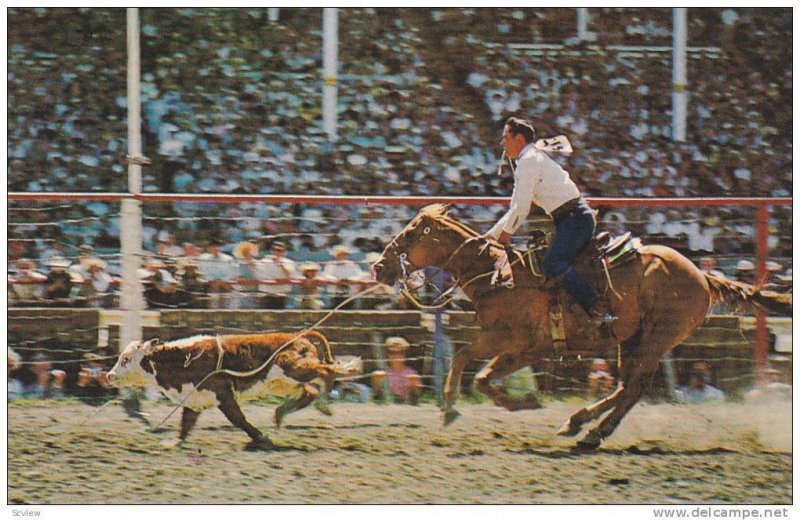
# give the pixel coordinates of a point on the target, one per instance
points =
(268, 362)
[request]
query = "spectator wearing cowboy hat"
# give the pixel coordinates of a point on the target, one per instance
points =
(59, 283)
(343, 271)
(192, 283)
(246, 294)
(276, 267)
(404, 381)
(746, 271)
(311, 282)
(163, 290)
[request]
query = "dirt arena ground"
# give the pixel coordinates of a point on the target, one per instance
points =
(393, 454)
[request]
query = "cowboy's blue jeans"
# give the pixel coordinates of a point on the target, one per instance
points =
(573, 232)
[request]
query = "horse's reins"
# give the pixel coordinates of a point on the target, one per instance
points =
(446, 297)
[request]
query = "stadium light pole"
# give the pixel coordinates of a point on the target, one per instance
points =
(679, 85)
(131, 295)
(330, 46)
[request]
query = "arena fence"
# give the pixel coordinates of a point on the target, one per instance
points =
(441, 332)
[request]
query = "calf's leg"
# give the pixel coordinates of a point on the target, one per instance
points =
(188, 420)
(309, 393)
(229, 407)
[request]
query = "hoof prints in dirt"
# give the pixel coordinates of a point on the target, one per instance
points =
(396, 454)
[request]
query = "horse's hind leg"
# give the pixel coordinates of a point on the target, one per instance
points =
(592, 412)
(502, 366)
(641, 366)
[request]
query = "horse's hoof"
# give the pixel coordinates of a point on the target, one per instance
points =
(278, 420)
(588, 444)
(450, 416)
(569, 430)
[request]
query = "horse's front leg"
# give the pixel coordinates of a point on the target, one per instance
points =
(453, 384)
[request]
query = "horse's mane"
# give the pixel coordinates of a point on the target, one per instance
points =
(441, 213)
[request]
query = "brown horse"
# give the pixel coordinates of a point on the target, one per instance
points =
(660, 298)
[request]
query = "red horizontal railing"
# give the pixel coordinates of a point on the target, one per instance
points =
(390, 199)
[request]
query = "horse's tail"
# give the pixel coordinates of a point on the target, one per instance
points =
(326, 347)
(730, 291)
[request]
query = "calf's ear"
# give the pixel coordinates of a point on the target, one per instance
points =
(149, 345)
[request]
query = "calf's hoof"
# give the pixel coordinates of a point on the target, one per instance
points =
(171, 443)
(263, 443)
(323, 408)
(450, 416)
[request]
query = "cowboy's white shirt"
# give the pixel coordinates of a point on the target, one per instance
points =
(537, 179)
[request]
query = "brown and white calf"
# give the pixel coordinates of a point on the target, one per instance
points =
(178, 367)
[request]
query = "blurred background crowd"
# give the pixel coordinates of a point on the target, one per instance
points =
(232, 104)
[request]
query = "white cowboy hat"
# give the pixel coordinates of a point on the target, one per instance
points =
(340, 248)
(309, 266)
(745, 265)
(57, 262)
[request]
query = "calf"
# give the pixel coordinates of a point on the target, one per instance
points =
(178, 367)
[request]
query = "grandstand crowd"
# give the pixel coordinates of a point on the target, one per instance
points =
(232, 104)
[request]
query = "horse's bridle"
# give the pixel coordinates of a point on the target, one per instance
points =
(406, 266)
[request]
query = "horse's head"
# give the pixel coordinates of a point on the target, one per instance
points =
(428, 240)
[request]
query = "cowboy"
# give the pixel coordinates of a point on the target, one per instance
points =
(539, 179)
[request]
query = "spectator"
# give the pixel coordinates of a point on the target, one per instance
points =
(746, 271)
(58, 284)
(16, 388)
(382, 298)
(311, 283)
(404, 381)
(163, 290)
(92, 379)
(709, 265)
(166, 246)
(48, 382)
(600, 380)
(699, 388)
(85, 255)
(277, 267)
(220, 271)
(342, 271)
(192, 283)
(26, 282)
(97, 284)
(246, 294)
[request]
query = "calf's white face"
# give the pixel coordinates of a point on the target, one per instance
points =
(128, 370)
